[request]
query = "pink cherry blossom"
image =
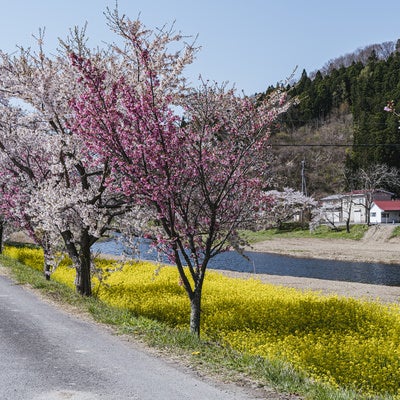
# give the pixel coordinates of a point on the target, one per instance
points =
(199, 176)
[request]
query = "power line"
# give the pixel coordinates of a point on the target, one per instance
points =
(333, 145)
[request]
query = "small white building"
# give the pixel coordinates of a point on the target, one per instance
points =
(385, 212)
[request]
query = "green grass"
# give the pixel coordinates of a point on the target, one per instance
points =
(395, 233)
(208, 356)
(322, 232)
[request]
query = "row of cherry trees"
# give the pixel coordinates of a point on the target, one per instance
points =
(88, 138)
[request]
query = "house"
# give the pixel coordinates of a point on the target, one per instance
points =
(353, 206)
(332, 206)
(385, 211)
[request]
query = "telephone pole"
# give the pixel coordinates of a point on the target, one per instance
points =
(303, 178)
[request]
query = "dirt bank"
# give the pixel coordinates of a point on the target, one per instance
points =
(374, 247)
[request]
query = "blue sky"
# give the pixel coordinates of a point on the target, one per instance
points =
(252, 43)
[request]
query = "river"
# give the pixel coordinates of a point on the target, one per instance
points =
(273, 264)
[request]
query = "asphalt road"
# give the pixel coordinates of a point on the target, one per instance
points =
(46, 353)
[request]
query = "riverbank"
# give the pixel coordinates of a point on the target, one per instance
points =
(375, 247)
(381, 293)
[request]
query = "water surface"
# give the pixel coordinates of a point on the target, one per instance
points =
(273, 264)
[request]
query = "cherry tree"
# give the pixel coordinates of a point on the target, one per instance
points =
(286, 205)
(62, 191)
(24, 162)
(198, 178)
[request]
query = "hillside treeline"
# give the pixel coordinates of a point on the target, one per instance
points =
(338, 123)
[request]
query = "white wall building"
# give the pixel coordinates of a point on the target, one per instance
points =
(385, 212)
(353, 205)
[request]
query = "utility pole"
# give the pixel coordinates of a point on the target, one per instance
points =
(303, 178)
(303, 187)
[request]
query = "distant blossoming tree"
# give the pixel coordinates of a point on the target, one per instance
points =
(198, 178)
(285, 205)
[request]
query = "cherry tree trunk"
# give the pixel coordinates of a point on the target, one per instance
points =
(81, 261)
(1, 235)
(195, 312)
(195, 299)
(48, 262)
(84, 281)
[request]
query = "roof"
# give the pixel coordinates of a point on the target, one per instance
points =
(388, 205)
(355, 193)
(365, 191)
(332, 197)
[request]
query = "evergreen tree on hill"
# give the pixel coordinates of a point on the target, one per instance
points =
(342, 104)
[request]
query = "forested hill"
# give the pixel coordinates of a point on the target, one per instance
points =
(339, 121)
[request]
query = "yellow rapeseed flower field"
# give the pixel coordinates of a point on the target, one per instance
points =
(342, 341)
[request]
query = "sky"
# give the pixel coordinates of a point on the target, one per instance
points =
(251, 44)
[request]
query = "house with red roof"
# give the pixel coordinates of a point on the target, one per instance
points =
(385, 212)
